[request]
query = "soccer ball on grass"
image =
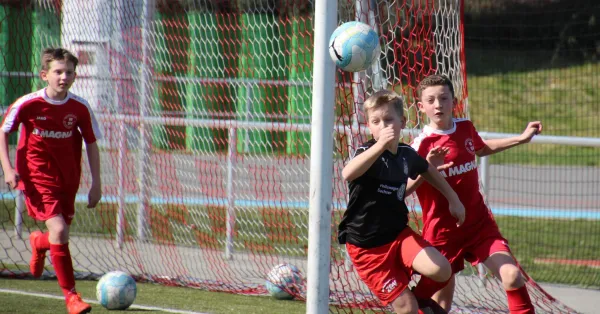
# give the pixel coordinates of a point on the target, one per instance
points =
(116, 290)
(284, 281)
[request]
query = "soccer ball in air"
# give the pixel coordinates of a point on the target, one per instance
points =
(354, 46)
(116, 290)
(284, 281)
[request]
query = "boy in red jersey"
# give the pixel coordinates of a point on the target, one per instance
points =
(48, 164)
(453, 144)
(383, 248)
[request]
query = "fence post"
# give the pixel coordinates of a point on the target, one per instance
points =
(485, 175)
(19, 208)
(485, 186)
(145, 161)
(231, 157)
(121, 183)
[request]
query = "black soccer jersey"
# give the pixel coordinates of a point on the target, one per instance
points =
(376, 211)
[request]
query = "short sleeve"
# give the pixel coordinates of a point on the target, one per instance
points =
(12, 119)
(477, 140)
(88, 125)
(417, 164)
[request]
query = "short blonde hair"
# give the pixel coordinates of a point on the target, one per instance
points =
(384, 97)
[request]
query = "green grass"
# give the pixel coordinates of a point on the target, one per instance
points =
(148, 295)
(532, 238)
(565, 99)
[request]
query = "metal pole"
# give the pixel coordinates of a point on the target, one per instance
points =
(485, 174)
(321, 161)
(19, 209)
(231, 156)
(121, 184)
(145, 129)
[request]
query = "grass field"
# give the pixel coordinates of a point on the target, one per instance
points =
(148, 295)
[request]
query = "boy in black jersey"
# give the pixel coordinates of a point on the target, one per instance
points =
(383, 249)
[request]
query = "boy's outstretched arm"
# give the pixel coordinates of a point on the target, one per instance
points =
(96, 189)
(10, 175)
(457, 209)
(498, 145)
(435, 157)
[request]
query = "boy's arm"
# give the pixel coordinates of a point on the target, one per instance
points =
(96, 189)
(435, 157)
(358, 165)
(437, 181)
(498, 145)
(362, 162)
(10, 175)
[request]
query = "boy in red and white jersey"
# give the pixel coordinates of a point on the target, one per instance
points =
(451, 145)
(54, 123)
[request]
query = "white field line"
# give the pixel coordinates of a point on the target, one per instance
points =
(141, 307)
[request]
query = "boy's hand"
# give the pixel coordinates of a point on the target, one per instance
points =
(532, 129)
(386, 137)
(11, 177)
(457, 209)
(436, 158)
(94, 196)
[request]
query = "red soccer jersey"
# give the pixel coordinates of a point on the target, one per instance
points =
(50, 142)
(439, 225)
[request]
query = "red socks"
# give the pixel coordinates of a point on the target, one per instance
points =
(519, 301)
(42, 243)
(63, 265)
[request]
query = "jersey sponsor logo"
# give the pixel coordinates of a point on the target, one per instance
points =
(389, 286)
(400, 192)
(386, 189)
(52, 134)
(405, 166)
(470, 146)
(69, 121)
(460, 169)
(41, 118)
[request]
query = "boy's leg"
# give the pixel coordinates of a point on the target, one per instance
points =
(39, 241)
(503, 266)
(417, 254)
(493, 250)
(63, 264)
(387, 277)
(445, 295)
(59, 253)
(443, 291)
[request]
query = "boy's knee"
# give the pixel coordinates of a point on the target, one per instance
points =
(58, 231)
(511, 277)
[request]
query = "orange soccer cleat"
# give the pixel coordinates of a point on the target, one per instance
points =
(38, 257)
(75, 305)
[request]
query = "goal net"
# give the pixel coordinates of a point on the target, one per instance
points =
(205, 109)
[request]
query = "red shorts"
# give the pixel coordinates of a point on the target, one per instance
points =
(44, 203)
(475, 249)
(387, 269)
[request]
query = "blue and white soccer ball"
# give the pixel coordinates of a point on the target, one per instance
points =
(284, 281)
(116, 290)
(354, 46)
